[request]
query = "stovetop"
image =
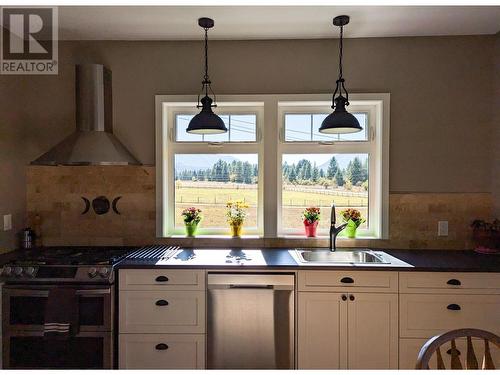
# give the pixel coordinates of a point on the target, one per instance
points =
(69, 256)
(54, 265)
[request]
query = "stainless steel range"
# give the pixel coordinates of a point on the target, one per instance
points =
(28, 282)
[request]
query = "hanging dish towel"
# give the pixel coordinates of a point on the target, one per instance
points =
(61, 314)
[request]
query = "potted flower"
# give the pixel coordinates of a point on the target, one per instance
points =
(192, 217)
(353, 219)
(236, 215)
(311, 218)
(486, 236)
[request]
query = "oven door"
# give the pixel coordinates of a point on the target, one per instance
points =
(30, 350)
(24, 308)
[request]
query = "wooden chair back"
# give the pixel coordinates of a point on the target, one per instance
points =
(434, 344)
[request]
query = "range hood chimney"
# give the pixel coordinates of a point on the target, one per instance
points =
(93, 142)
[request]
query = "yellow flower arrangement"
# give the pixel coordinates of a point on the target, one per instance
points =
(236, 213)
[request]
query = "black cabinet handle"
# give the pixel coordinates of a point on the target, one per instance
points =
(161, 346)
(351, 297)
(162, 279)
(456, 350)
(453, 282)
(347, 280)
(161, 302)
(344, 297)
(453, 306)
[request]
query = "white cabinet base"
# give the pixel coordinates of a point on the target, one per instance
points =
(161, 351)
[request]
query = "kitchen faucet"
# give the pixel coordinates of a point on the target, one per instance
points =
(334, 231)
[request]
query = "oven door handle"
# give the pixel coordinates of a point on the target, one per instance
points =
(93, 291)
(26, 292)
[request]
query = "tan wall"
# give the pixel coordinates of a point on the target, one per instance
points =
(440, 131)
(55, 193)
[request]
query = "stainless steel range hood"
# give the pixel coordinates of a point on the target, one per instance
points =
(93, 142)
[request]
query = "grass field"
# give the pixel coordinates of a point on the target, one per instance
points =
(212, 200)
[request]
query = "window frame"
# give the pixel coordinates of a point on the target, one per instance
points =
(270, 137)
(168, 147)
(367, 146)
(316, 110)
(234, 110)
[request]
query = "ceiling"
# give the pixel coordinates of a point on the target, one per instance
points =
(272, 22)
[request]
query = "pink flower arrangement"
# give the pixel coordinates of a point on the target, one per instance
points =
(191, 215)
(312, 214)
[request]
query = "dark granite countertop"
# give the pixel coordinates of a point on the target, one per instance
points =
(279, 258)
(421, 260)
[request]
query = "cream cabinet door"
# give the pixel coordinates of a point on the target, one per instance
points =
(372, 322)
(322, 331)
(409, 349)
(425, 315)
(161, 279)
(161, 351)
(348, 281)
(162, 312)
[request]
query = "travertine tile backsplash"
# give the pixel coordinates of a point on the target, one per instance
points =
(55, 193)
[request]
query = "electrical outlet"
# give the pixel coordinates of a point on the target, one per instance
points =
(7, 222)
(443, 228)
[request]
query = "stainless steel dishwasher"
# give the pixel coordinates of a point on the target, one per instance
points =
(250, 321)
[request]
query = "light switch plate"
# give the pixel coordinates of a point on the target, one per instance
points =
(7, 222)
(442, 228)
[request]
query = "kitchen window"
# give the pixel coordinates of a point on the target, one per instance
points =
(207, 171)
(320, 169)
(288, 165)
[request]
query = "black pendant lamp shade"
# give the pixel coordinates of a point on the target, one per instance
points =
(206, 122)
(340, 121)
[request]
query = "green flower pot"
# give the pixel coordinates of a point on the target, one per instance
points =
(350, 230)
(191, 229)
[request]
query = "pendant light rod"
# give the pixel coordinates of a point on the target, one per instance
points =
(340, 121)
(206, 79)
(206, 24)
(206, 122)
(341, 21)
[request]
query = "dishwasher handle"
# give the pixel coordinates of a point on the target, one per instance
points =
(250, 286)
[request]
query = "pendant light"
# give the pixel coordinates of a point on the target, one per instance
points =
(206, 122)
(340, 121)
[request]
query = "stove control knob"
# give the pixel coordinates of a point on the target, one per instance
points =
(104, 272)
(7, 271)
(18, 271)
(92, 272)
(30, 271)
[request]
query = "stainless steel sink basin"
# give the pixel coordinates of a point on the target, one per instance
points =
(356, 256)
(347, 257)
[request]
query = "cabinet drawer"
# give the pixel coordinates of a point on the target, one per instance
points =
(341, 281)
(153, 351)
(162, 279)
(426, 315)
(409, 349)
(162, 311)
(449, 282)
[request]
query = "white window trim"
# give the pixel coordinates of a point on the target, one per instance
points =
(269, 132)
(167, 147)
(370, 146)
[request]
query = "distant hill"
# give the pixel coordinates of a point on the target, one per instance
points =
(194, 162)
(189, 162)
